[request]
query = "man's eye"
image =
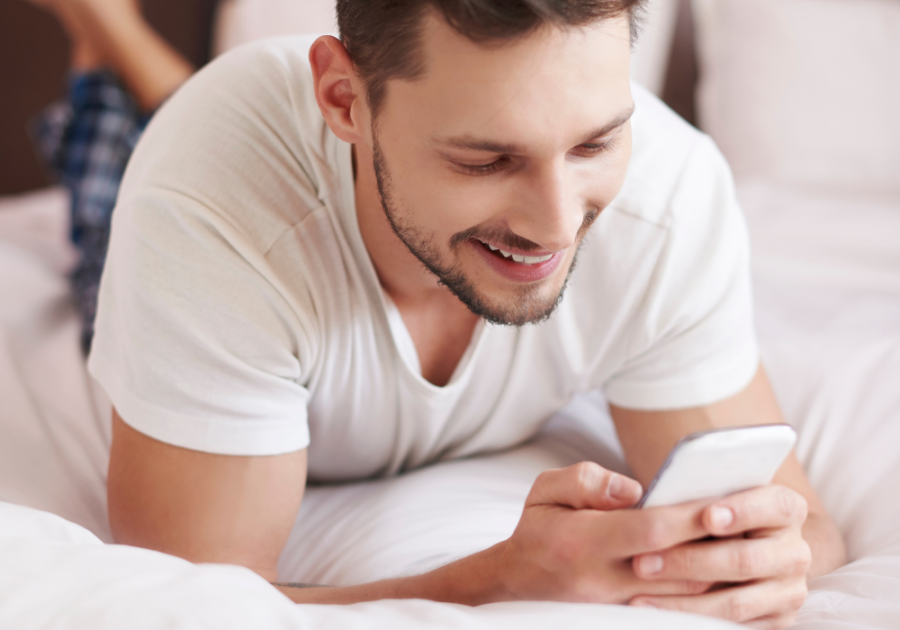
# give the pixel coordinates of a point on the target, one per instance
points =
(590, 149)
(485, 169)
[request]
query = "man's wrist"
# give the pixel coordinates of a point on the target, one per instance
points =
(474, 580)
(299, 585)
(471, 581)
(826, 544)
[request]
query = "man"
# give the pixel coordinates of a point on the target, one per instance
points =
(355, 262)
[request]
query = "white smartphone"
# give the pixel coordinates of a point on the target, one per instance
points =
(711, 464)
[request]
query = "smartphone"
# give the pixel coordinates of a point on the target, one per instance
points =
(711, 464)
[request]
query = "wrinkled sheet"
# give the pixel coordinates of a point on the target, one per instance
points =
(828, 320)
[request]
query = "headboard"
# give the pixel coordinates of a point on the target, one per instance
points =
(33, 64)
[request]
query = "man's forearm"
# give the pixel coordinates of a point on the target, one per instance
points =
(472, 581)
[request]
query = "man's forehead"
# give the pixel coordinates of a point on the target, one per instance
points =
(446, 53)
(573, 82)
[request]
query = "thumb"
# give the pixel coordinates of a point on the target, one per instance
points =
(584, 486)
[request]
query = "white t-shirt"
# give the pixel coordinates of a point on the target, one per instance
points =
(240, 312)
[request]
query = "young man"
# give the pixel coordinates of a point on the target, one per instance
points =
(358, 259)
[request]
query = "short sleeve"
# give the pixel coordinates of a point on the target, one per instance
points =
(193, 345)
(199, 341)
(693, 340)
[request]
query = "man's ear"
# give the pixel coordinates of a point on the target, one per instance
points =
(339, 92)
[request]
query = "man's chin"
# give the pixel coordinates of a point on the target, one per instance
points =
(514, 304)
(530, 305)
(519, 316)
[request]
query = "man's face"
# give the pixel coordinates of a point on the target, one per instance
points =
(493, 165)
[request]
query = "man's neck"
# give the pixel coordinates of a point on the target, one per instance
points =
(440, 325)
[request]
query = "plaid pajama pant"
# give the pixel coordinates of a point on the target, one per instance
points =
(86, 139)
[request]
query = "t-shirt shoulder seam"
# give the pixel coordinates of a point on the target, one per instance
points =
(224, 216)
(663, 224)
(700, 139)
(293, 226)
(666, 219)
(237, 226)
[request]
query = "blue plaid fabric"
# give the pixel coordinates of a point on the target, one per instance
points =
(86, 139)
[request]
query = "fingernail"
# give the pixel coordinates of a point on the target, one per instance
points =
(651, 564)
(617, 488)
(721, 517)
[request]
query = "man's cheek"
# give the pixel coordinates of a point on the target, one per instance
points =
(453, 209)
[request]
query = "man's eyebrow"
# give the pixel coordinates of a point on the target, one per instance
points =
(477, 144)
(614, 124)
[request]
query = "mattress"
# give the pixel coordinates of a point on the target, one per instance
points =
(828, 307)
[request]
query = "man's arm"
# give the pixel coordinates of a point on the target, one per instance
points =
(200, 506)
(573, 542)
(648, 436)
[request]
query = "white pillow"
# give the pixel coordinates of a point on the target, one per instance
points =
(240, 21)
(803, 92)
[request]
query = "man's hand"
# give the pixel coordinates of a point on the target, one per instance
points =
(759, 558)
(574, 542)
(769, 519)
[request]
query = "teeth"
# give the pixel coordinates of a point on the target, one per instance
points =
(528, 260)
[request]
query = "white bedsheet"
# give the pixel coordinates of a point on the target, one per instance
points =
(827, 282)
(62, 577)
(832, 349)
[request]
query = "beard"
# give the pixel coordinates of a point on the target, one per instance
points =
(528, 306)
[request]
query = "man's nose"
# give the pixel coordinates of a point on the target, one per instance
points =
(549, 213)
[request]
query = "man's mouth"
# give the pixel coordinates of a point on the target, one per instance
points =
(519, 258)
(518, 267)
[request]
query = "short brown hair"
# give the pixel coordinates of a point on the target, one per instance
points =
(382, 36)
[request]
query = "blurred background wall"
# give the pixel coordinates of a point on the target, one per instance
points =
(34, 55)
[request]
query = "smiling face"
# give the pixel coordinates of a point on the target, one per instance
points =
(492, 165)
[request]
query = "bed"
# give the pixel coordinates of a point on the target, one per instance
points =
(826, 263)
